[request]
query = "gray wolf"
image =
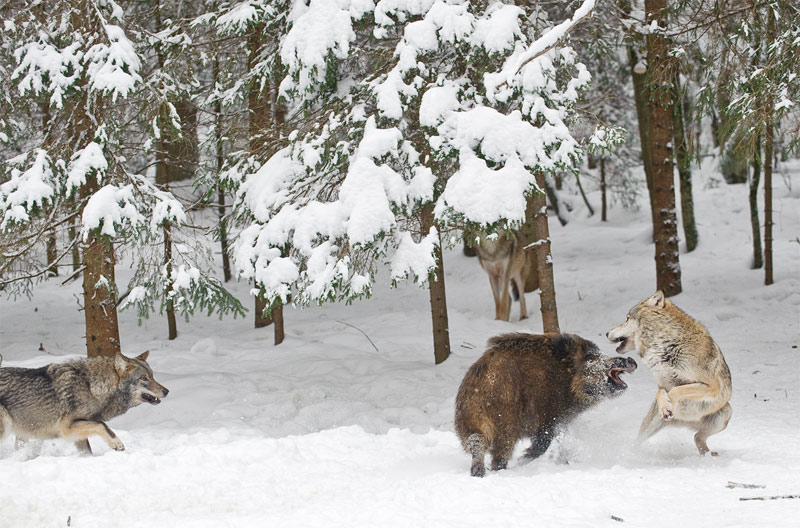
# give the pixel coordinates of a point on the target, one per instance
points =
(694, 382)
(527, 386)
(506, 260)
(73, 400)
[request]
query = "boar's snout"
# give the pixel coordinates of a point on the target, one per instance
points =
(618, 366)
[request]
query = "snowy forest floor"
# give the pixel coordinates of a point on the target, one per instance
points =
(326, 431)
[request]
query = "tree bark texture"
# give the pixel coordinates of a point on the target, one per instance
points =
(755, 224)
(640, 95)
(665, 228)
(768, 161)
(544, 261)
(769, 135)
(603, 206)
(260, 123)
(438, 296)
(223, 228)
(684, 165)
(172, 323)
(99, 297)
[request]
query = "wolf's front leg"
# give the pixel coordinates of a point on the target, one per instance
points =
(664, 404)
(651, 424)
(80, 430)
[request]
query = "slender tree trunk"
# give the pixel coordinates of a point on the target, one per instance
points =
(640, 96)
(668, 271)
(684, 165)
(99, 297)
(758, 258)
(223, 228)
(278, 118)
(436, 289)
(544, 261)
(769, 136)
(172, 323)
(603, 216)
(768, 161)
(529, 238)
(76, 252)
(259, 124)
(755, 224)
(583, 195)
(52, 253)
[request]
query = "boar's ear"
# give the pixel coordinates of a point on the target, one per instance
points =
(656, 300)
(143, 355)
(563, 345)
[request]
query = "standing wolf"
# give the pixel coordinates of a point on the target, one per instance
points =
(694, 382)
(73, 400)
(506, 260)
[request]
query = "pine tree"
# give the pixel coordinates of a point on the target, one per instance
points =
(386, 166)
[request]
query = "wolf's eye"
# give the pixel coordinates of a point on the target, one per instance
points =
(143, 378)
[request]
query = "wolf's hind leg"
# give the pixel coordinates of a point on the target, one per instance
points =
(80, 430)
(711, 424)
(5, 422)
(83, 446)
(651, 424)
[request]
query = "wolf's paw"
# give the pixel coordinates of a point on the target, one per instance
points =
(116, 444)
(666, 412)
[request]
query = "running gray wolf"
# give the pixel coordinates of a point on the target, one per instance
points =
(528, 386)
(73, 400)
(506, 260)
(694, 382)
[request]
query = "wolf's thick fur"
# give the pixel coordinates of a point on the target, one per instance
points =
(527, 386)
(506, 260)
(694, 382)
(72, 400)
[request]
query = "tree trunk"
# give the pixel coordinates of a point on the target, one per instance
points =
(583, 195)
(668, 270)
(259, 123)
(544, 261)
(768, 161)
(52, 253)
(438, 297)
(640, 96)
(172, 323)
(684, 168)
(603, 216)
(76, 252)
(758, 259)
(223, 228)
(769, 135)
(99, 297)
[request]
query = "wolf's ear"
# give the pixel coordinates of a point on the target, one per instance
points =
(120, 362)
(657, 299)
(143, 355)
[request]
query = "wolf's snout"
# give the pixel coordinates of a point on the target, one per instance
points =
(166, 391)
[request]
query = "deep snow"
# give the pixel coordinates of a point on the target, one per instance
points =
(326, 431)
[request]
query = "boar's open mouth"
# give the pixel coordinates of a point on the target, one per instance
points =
(152, 400)
(620, 365)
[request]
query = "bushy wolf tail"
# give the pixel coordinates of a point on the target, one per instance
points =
(476, 445)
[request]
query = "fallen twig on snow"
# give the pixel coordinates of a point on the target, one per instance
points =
(773, 497)
(732, 484)
(363, 332)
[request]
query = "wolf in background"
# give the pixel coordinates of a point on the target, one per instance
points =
(694, 382)
(506, 260)
(72, 400)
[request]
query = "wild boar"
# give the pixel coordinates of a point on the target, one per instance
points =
(526, 386)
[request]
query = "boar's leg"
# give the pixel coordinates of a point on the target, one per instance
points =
(539, 444)
(476, 446)
(501, 450)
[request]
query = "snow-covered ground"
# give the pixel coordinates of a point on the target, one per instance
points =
(325, 430)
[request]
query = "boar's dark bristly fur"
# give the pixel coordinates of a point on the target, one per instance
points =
(525, 386)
